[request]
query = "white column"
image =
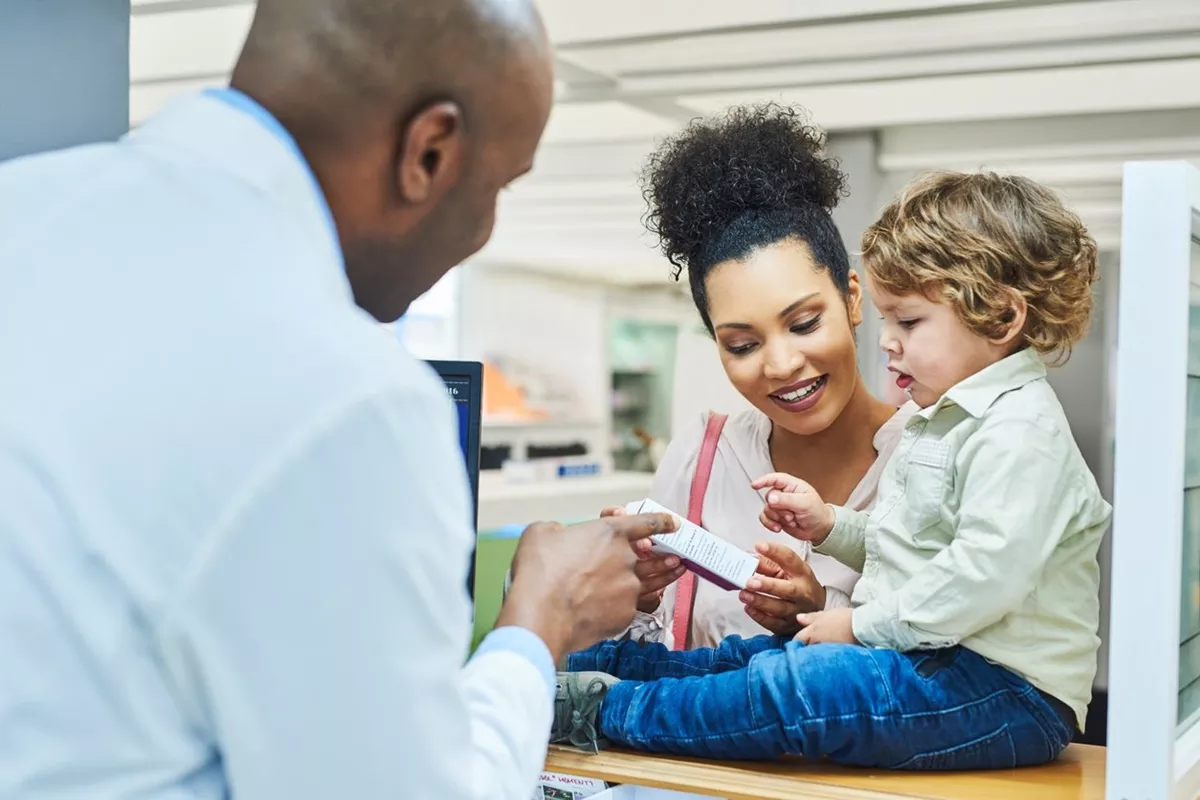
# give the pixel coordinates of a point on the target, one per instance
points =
(858, 153)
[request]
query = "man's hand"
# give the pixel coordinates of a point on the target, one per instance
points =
(827, 627)
(574, 586)
(654, 571)
(794, 508)
(783, 588)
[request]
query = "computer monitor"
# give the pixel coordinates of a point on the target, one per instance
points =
(464, 383)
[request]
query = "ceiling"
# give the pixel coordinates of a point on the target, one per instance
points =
(1062, 90)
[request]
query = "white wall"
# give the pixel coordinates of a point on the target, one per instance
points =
(1085, 389)
(554, 326)
(700, 381)
(429, 329)
(561, 326)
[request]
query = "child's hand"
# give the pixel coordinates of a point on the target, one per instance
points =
(795, 508)
(835, 626)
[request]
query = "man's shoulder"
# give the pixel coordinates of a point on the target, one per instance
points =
(24, 171)
(350, 361)
(364, 381)
(33, 186)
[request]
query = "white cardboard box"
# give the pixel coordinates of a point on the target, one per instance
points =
(703, 553)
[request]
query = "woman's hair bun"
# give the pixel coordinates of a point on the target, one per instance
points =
(762, 158)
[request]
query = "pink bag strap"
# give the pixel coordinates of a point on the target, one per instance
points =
(685, 588)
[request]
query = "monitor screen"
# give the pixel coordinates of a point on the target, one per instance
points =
(464, 384)
(459, 389)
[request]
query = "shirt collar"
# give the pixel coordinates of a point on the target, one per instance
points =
(246, 104)
(890, 430)
(976, 394)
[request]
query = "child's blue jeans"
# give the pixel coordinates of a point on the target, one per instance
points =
(765, 697)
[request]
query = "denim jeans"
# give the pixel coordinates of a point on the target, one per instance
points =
(765, 697)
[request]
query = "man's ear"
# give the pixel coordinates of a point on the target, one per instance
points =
(854, 300)
(432, 153)
(1013, 320)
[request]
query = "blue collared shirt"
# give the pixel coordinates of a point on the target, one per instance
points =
(508, 638)
(234, 526)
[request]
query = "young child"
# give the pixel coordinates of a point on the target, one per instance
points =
(971, 642)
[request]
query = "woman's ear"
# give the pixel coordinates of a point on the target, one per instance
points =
(854, 300)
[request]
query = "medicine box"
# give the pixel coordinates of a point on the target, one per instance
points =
(703, 553)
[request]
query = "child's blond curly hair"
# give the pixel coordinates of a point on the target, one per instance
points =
(980, 240)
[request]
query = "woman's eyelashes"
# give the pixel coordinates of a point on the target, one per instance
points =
(798, 328)
(739, 349)
(806, 326)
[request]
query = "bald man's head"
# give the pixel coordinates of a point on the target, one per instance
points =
(413, 114)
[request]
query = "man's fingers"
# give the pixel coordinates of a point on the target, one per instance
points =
(614, 511)
(650, 567)
(644, 548)
(639, 526)
(655, 595)
(546, 526)
(662, 580)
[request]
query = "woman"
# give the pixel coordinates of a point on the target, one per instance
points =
(743, 202)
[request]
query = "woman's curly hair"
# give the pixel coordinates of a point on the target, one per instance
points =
(982, 242)
(748, 178)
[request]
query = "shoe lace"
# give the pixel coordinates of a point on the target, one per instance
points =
(581, 715)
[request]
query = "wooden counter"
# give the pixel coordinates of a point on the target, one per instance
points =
(1077, 775)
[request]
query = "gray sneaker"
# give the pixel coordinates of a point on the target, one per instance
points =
(577, 709)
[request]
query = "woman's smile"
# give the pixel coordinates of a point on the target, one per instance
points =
(801, 396)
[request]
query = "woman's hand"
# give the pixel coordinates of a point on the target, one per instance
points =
(654, 571)
(783, 587)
